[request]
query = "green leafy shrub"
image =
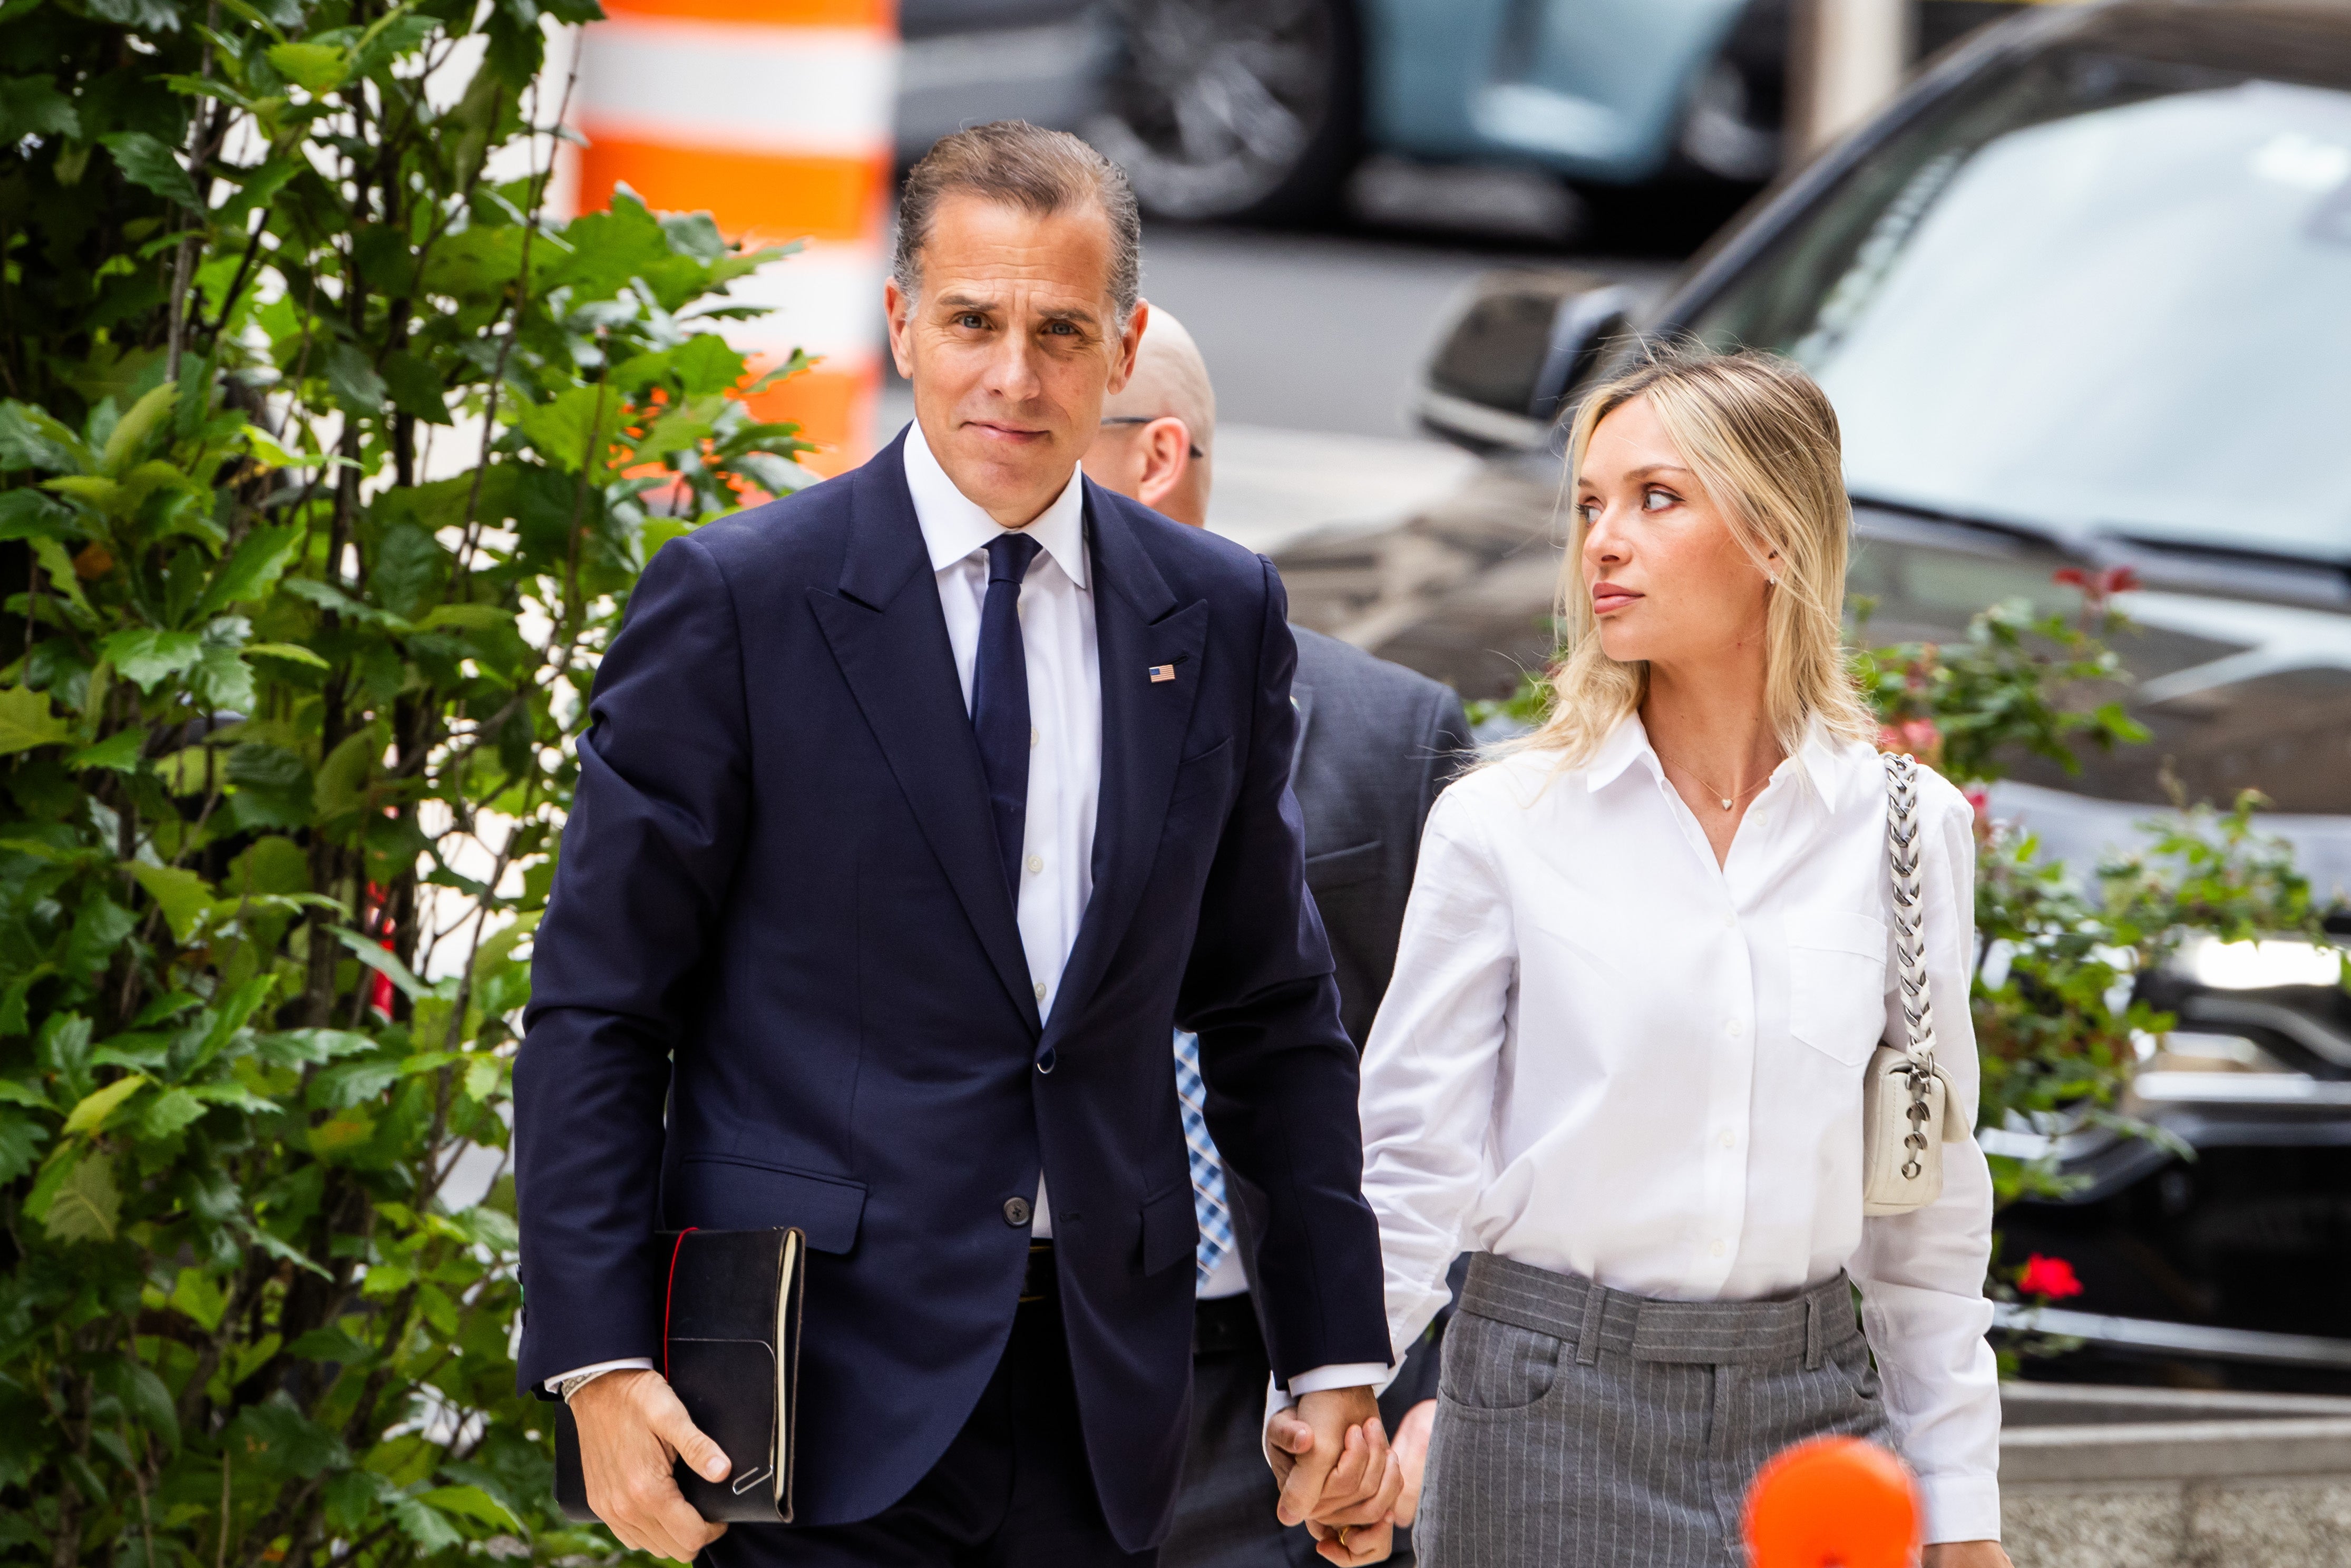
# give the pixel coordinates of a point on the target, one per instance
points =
(327, 462)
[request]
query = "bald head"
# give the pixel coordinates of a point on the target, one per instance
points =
(1158, 432)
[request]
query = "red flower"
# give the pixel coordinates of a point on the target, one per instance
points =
(1980, 801)
(2051, 1279)
(2096, 587)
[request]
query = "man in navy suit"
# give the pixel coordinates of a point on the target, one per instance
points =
(914, 808)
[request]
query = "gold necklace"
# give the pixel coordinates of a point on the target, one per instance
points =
(1727, 800)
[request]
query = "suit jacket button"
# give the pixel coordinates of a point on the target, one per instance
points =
(1016, 1211)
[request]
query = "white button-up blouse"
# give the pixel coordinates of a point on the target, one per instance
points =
(1602, 1053)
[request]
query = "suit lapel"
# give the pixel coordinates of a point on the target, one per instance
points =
(1138, 627)
(890, 640)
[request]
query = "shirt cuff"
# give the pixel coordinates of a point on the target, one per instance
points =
(1370, 1374)
(626, 1363)
(1960, 1508)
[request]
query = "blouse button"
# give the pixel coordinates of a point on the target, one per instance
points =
(1734, 1029)
(1729, 1139)
(1716, 1248)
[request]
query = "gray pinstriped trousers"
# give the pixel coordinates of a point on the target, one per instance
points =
(1582, 1427)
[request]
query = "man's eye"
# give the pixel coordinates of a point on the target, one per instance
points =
(971, 319)
(1062, 329)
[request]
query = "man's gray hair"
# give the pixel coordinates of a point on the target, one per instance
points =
(1039, 172)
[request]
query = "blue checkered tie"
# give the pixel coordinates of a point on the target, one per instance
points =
(1207, 1170)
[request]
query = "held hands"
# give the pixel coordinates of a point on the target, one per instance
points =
(631, 1427)
(1338, 1476)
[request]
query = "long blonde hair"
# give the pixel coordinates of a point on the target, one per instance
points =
(1761, 438)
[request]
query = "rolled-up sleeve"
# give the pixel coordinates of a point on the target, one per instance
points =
(1429, 1068)
(1922, 1274)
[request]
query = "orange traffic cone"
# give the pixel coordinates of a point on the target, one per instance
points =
(1833, 1502)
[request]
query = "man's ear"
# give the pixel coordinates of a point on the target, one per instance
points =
(898, 308)
(1130, 344)
(1168, 457)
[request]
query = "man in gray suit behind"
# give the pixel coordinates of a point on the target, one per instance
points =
(1376, 742)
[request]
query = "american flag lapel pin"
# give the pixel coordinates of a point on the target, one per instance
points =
(1163, 672)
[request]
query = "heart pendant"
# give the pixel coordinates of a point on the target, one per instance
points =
(1726, 805)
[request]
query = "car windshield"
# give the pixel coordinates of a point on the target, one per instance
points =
(2089, 292)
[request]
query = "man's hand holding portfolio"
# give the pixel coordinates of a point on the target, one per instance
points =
(632, 1431)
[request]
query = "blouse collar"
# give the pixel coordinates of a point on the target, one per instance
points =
(1820, 762)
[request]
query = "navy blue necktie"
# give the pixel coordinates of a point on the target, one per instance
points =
(999, 699)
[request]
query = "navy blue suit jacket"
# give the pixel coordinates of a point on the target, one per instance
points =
(780, 982)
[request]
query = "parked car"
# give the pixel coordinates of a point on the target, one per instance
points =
(2081, 298)
(1260, 109)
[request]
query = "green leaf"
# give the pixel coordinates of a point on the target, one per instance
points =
(120, 751)
(292, 653)
(169, 1114)
(87, 1205)
(20, 1139)
(473, 1503)
(572, 423)
(147, 162)
(30, 438)
(353, 380)
(315, 67)
(223, 681)
(340, 788)
(415, 390)
(63, 579)
(140, 15)
(385, 964)
(250, 573)
(275, 1436)
(183, 896)
(28, 514)
(197, 1295)
(131, 434)
(426, 1526)
(32, 105)
(349, 1083)
(469, 617)
(151, 657)
(90, 1115)
(27, 722)
(101, 927)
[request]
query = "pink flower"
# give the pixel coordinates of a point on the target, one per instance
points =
(2051, 1279)
(1918, 736)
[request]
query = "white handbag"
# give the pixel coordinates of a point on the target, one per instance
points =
(1909, 1111)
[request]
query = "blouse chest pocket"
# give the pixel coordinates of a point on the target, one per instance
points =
(1836, 981)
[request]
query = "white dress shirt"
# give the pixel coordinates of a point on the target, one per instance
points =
(1604, 1053)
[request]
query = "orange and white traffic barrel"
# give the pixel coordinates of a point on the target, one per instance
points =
(775, 117)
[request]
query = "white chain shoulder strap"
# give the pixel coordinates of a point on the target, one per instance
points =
(1907, 1096)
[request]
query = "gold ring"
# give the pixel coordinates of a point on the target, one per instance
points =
(1343, 1536)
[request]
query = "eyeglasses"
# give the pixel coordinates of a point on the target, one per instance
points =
(1145, 419)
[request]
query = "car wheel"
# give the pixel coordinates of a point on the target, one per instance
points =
(1233, 109)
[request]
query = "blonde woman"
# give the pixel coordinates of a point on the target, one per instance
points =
(1621, 1062)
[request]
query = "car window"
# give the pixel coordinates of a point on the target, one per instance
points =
(2090, 294)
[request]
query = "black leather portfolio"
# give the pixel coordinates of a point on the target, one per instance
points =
(730, 1348)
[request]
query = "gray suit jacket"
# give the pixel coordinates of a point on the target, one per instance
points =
(1376, 744)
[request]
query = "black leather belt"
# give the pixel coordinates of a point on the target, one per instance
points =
(1036, 1284)
(1225, 1324)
